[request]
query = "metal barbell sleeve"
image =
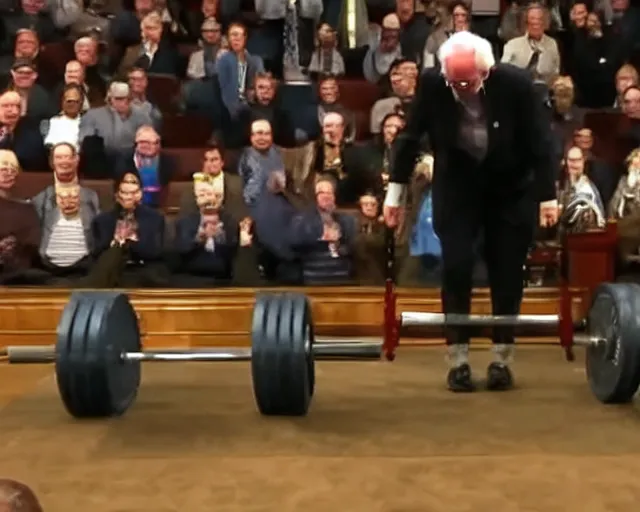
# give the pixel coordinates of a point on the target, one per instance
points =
(410, 319)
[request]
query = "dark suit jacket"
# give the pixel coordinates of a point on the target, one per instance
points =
(519, 162)
(40, 105)
(166, 169)
(233, 202)
(151, 231)
(166, 61)
(27, 143)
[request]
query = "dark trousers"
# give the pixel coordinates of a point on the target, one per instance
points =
(112, 270)
(507, 228)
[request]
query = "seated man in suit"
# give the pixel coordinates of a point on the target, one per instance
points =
(228, 185)
(21, 135)
(128, 241)
(108, 132)
(342, 162)
(324, 239)
(36, 101)
(66, 211)
(207, 240)
(146, 160)
(273, 214)
(369, 244)
(19, 229)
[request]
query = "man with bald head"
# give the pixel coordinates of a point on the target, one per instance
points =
(21, 134)
(258, 161)
(493, 175)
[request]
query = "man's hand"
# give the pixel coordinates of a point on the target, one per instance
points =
(548, 213)
(330, 234)
(210, 230)
(393, 211)
(7, 244)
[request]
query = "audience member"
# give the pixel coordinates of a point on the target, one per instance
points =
(153, 168)
(380, 148)
(456, 19)
(17, 497)
(326, 59)
(36, 102)
(403, 89)
(329, 92)
(202, 62)
(21, 135)
(325, 239)
(383, 52)
(414, 30)
(535, 51)
(87, 54)
(128, 241)
(228, 185)
(138, 85)
(65, 127)
(20, 230)
(369, 247)
(626, 76)
(74, 74)
(626, 199)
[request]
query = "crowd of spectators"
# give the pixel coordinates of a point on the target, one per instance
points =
(247, 142)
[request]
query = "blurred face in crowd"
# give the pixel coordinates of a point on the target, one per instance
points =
(261, 136)
(575, 163)
(129, 192)
(329, 91)
(535, 23)
(392, 125)
(619, 5)
(583, 139)
(389, 40)
(326, 36)
(325, 196)
(121, 104)
(369, 206)
(399, 82)
(634, 164)
(24, 77)
(8, 170)
(213, 162)
(72, 103)
(410, 70)
(209, 8)
(10, 108)
(144, 7)
(212, 36)
(68, 200)
(151, 31)
(138, 82)
(237, 38)
(594, 25)
(631, 103)
(563, 92)
(460, 19)
(26, 45)
(64, 161)
(147, 142)
(86, 51)
(32, 6)
(462, 72)
(579, 14)
(626, 77)
(333, 128)
(404, 10)
(265, 91)
(74, 73)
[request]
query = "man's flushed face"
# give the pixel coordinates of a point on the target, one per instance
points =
(329, 91)
(65, 163)
(213, 163)
(462, 73)
(10, 108)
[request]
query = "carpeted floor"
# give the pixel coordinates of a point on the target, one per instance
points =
(380, 437)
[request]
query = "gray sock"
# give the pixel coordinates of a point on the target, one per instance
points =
(503, 352)
(458, 354)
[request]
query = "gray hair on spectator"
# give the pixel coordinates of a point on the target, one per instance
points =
(467, 41)
(85, 40)
(18, 497)
(325, 178)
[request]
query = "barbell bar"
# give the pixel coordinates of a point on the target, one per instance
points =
(324, 349)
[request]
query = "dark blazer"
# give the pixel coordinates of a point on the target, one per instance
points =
(166, 167)
(151, 232)
(40, 104)
(195, 259)
(27, 143)
(166, 61)
(233, 202)
(519, 161)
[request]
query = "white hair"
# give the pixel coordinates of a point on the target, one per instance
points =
(467, 41)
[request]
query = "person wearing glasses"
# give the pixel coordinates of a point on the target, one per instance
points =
(493, 175)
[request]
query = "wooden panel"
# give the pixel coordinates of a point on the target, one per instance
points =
(173, 318)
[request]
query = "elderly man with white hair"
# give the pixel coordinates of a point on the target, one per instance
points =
(493, 174)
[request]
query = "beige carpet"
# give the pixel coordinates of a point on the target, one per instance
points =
(380, 437)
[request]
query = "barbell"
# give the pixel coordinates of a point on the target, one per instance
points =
(98, 351)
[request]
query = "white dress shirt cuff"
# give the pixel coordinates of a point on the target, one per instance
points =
(549, 204)
(396, 194)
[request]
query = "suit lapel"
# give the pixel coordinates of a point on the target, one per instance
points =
(490, 100)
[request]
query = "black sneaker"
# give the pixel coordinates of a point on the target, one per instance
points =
(499, 377)
(459, 379)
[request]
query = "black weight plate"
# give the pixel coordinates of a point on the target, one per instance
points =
(93, 332)
(281, 354)
(613, 371)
